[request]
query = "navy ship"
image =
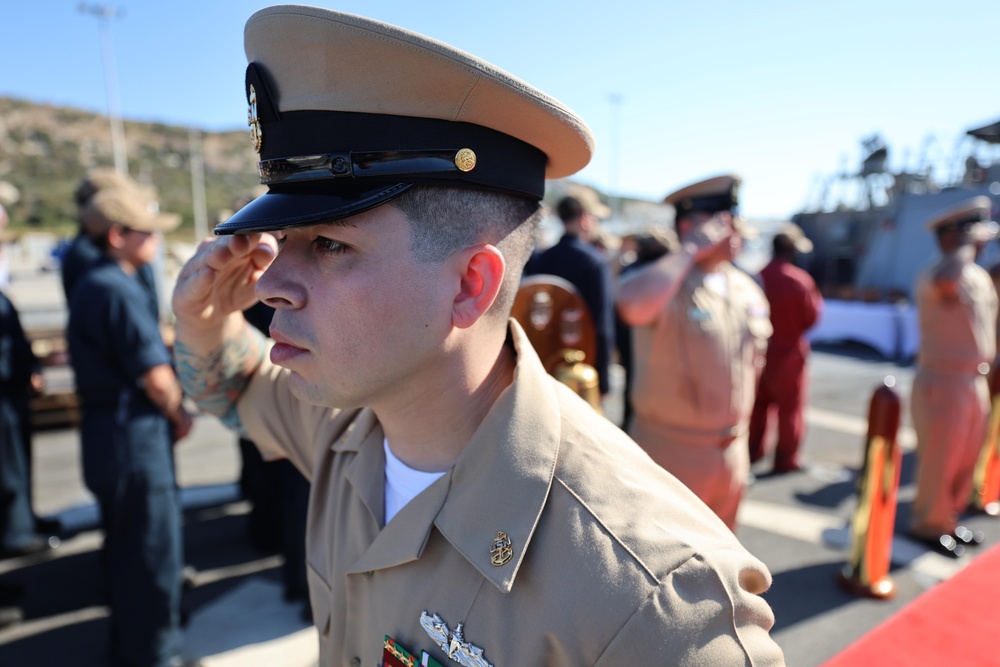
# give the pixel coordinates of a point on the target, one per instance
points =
(868, 226)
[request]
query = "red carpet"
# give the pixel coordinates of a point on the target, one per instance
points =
(956, 622)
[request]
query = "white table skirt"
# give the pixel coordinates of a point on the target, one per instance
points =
(888, 328)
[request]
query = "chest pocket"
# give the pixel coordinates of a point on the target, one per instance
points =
(319, 598)
(702, 319)
(702, 311)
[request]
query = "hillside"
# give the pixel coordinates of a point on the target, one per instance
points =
(46, 150)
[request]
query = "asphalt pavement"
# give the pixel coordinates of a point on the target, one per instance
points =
(236, 615)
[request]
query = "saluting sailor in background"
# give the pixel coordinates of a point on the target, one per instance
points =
(464, 503)
(700, 332)
(957, 307)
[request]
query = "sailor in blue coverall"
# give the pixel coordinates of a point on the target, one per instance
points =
(18, 365)
(131, 414)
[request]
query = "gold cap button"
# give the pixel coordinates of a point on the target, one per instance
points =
(465, 159)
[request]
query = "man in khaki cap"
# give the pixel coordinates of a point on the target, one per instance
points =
(466, 507)
(700, 331)
(957, 309)
(131, 415)
(795, 304)
(574, 258)
(81, 255)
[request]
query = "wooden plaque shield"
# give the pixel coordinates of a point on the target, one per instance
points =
(555, 317)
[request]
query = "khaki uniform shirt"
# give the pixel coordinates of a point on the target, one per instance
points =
(614, 562)
(696, 376)
(698, 362)
(957, 336)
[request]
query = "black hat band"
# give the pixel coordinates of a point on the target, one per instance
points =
(958, 222)
(398, 164)
(317, 146)
(711, 204)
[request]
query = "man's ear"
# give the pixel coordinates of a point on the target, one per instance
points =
(481, 271)
(116, 237)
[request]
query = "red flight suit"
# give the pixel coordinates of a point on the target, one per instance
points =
(795, 307)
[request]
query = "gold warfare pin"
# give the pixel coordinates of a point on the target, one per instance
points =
(453, 643)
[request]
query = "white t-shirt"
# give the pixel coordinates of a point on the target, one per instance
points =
(402, 483)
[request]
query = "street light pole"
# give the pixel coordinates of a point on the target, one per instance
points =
(616, 100)
(104, 14)
(198, 185)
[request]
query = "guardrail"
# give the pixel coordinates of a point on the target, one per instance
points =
(57, 406)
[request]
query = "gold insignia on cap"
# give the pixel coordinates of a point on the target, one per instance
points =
(502, 551)
(465, 159)
(256, 134)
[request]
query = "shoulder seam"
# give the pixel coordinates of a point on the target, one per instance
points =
(642, 564)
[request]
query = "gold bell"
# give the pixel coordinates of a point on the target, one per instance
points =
(579, 376)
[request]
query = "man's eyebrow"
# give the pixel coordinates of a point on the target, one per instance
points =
(339, 222)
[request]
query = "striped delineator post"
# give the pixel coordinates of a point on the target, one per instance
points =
(867, 571)
(986, 478)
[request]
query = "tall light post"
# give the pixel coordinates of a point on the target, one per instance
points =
(616, 100)
(104, 14)
(198, 185)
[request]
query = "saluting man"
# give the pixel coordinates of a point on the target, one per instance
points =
(700, 333)
(465, 507)
(957, 309)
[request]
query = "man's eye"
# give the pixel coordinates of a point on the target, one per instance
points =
(326, 245)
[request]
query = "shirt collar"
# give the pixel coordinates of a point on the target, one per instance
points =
(499, 484)
(502, 479)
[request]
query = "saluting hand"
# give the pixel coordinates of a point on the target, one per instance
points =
(704, 237)
(220, 279)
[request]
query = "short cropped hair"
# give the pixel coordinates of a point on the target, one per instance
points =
(783, 245)
(445, 220)
(570, 209)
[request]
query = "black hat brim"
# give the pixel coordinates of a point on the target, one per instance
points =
(292, 207)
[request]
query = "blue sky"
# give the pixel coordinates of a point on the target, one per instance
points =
(780, 91)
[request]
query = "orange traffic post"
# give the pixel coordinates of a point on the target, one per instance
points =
(986, 478)
(867, 571)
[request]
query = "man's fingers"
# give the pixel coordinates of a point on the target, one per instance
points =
(197, 261)
(244, 244)
(264, 252)
(222, 275)
(257, 249)
(195, 285)
(220, 254)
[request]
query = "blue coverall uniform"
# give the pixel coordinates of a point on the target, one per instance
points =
(128, 462)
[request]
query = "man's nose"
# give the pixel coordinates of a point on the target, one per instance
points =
(279, 288)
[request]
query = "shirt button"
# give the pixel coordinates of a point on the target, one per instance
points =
(355, 662)
(369, 574)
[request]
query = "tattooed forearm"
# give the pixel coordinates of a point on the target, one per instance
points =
(216, 381)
